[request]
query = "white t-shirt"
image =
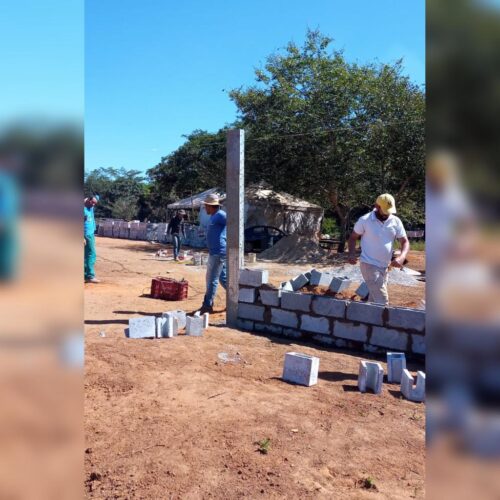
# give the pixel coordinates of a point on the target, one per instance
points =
(377, 238)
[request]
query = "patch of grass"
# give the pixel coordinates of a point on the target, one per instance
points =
(368, 483)
(264, 446)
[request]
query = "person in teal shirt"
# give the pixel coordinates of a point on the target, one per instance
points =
(9, 244)
(89, 238)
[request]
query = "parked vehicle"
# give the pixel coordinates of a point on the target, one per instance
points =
(260, 238)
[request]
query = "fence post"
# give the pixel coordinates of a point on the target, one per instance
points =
(235, 169)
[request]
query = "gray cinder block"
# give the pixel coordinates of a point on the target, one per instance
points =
(321, 278)
(340, 283)
(314, 324)
(328, 306)
(170, 328)
(180, 316)
(371, 376)
(301, 368)
(254, 277)
(418, 344)
(300, 281)
(411, 319)
(270, 297)
(396, 363)
(284, 318)
(206, 319)
(165, 327)
(286, 286)
(296, 301)
(142, 327)
(246, 295)
(244, 324)
(194, 326)
(362, 290)
(250, 311)
(266, 328)
(350, 331)
(393, 339)
(410, 391)
(365, 313)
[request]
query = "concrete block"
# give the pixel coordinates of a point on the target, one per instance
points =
(365, 313)
(254, 277)
(179, 315)
(393, 339)
(291, 333)
(418, 344)
(411, 319)
(142, 327)
(296, 301)
(324, 339)
(270, 297)
(371, 376)
(206, 319)
(246, 295)
(284, 318)
(194, 326)
(244, 324)
(286, 286)
(301, 368)
(362, 290)
(299, 281)
(250, 311)
(396, 363)
(413, 392)
(315, 324)
(321, 278)
(267, 328)
(350, 331)
(328, 306)
(340, 283)
(166, 327)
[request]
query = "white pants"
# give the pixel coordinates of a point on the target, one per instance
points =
(376, 279)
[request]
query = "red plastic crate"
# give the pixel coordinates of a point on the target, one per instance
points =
(169, 289)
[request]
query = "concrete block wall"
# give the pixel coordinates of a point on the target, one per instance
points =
(328, 321)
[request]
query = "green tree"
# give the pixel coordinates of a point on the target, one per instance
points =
(122, 192)
(334, 132)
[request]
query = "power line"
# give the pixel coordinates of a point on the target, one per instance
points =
(318, 131)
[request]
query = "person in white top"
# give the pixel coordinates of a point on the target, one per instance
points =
(378, 230)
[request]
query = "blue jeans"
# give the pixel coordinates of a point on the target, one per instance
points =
(216, 271)
(176, 241)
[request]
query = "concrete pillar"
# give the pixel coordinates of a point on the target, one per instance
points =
(235, 173)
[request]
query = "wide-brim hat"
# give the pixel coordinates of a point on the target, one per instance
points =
(211, 199)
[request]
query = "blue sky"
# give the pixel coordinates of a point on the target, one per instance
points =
(42, 55)
(156, 69)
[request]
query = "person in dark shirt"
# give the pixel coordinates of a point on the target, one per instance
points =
(176, 229)
(216, 242)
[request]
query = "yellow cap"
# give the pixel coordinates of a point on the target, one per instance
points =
(386, 203)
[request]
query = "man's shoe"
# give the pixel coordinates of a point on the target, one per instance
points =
(206, 309)
(92, 280)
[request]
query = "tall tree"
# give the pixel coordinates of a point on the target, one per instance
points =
(334, 132)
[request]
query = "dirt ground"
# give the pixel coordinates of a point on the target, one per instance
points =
(167, 418)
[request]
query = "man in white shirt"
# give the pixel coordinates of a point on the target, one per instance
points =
(378, 230)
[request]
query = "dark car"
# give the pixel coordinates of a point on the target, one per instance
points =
(260, 238)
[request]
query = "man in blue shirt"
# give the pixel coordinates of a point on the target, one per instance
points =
(89, 238)
(216, 242)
